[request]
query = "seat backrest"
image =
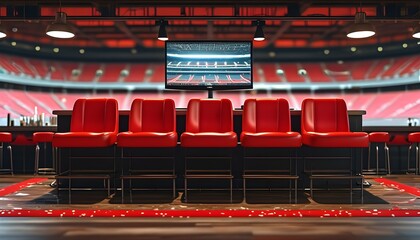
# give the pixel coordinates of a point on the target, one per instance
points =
(324, 115)
(95, 115)
(266, 115)
(152, 116)
(209, 115)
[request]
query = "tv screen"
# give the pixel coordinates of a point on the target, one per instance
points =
(208, 65)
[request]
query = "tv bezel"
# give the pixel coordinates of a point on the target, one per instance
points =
(213, 87)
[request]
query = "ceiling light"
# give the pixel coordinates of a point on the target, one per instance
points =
(416, 32)
(361, 29)
(3, 31)
(59, 28)
(259, 33)
(162, 35)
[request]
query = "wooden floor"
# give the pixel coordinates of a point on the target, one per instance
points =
(377, 197)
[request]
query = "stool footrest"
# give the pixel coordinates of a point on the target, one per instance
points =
(270, 176)
(149, 176)
(336, 177)
(209, 176)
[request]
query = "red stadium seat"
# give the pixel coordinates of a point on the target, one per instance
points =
(266, 124)
(325, 124)
(151, 125)
(6, 137)
(94, 124)
(209, 124)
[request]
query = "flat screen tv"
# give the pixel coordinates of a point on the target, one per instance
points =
(208, 65)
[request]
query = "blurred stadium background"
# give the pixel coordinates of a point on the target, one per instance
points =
(116, 53)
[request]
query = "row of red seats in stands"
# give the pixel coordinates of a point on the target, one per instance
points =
(380, 105)
(316, 72)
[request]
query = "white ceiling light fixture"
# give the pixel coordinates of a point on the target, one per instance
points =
(162, 35)
(259, 33)
(59, 28)
(361, 28)
(3, 31)
(416, 31)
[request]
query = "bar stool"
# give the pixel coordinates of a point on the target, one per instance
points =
(209, 125)
(325, 124)
(44, 138)
(377, 138)
(6, 137)
(414, 138)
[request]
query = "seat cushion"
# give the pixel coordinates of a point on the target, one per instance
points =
(336, 139)
(42, 137)
(84, 139)
(5, 137)
(381, 137)
(271, 139)
(209, 139)
(147, 139)
(414, 137)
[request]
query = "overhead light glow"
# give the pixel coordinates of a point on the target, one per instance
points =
(259, 33)
(416, 32)
(361, 29)
(59, 28)
(162, 35)
(3, 31)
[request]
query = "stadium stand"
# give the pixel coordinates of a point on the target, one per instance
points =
(136, 72)
(400, 104)
(316, 73)
(379, 105)
(88, 72)
(269, 70)
(111, 72)
(291, 72)
(323, 72)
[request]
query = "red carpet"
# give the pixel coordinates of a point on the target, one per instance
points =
(210, 213)
(18, 186)
(400, 186)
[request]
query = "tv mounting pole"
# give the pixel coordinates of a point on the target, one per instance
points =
(209, 93)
